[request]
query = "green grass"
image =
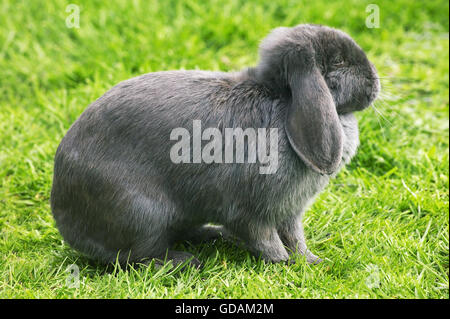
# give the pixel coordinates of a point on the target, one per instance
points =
(382, 223)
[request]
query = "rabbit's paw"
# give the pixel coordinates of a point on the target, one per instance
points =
(313, 259)
(310, 258)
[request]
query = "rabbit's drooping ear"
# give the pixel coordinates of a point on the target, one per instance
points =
(288, 64)
(312, 122)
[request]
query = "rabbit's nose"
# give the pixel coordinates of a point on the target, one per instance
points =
(372, 89)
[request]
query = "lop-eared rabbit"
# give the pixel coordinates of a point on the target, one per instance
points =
(117, 195)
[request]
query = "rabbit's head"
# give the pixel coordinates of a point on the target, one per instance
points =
(323, 73)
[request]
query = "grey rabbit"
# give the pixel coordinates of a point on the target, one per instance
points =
(116, 194)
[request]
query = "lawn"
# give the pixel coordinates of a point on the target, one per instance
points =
(382, 224)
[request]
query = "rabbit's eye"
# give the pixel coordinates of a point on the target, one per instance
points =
(338, 61)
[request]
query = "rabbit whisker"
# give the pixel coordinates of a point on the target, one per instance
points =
(379, 122)
(381, 114)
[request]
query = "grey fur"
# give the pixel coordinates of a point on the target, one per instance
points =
(117, 193)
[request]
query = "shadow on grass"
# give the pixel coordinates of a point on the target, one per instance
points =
(219, 253)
